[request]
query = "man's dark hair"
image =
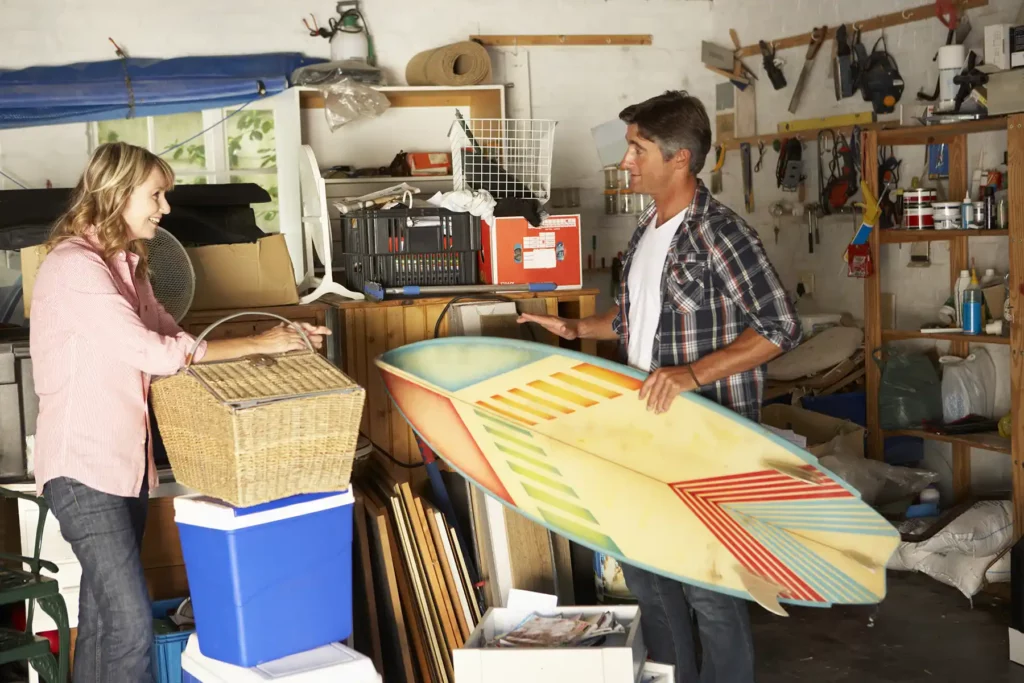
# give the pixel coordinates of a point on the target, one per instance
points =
(674, 120)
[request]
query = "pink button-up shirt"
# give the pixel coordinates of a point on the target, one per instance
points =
(97, 336)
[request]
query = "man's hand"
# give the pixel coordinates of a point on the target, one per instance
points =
(566, 328)
(663, 385)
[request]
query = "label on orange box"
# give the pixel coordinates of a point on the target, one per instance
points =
(517, 253)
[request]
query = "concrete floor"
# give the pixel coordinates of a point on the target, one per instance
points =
(923, 631)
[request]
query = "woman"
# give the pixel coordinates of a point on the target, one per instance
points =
(97, 337)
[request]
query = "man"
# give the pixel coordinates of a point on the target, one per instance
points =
(701, 308)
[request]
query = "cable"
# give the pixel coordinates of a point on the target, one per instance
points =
(406, 465)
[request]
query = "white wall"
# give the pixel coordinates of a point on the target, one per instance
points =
(579, 86)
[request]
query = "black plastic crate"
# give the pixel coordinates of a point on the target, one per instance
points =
(399, 247)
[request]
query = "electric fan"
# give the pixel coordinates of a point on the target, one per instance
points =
(170, 271)
(316, 229)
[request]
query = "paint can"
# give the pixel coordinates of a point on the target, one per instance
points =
(918, 198)
(919, 218)
(946, 215)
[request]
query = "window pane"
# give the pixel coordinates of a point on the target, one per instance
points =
(190, 180)
(267, 213)
(132, 131)
(250, 140)
(174, 129)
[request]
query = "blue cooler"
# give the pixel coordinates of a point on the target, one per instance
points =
(328, 664)
(270, 580)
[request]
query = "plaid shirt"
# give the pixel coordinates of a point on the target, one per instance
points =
(717, 282)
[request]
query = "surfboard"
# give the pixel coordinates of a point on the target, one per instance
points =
(698, 493)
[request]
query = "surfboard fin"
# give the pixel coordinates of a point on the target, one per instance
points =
(795, 472)
(765, 593)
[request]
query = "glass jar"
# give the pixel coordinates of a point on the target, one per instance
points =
(627, 202)
(611, 202)
(611, 177)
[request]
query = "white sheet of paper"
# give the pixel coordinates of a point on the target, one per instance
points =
(610, 139)
(528, 601)
(789, 435)
(539, 258)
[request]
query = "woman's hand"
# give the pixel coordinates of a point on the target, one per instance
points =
(283, 338)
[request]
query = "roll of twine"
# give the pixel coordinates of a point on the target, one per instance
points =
(458, 64)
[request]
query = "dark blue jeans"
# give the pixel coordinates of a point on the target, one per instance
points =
(667, 611)
(115, 618)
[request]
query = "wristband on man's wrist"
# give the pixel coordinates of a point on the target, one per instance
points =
(694, 376)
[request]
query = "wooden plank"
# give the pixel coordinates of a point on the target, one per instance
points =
(419, 628)
(435, 575)
(883, 21)
(487, 104)
(402, 449)
(378, 405)
(961, 472)
(427, 514)
(378, 526)
(565, 39)
(872, 307)
(367, 596)
(959, 259)
(432, 312)
(904, 335)
(530, 553)
(829, 122)
(989, 441)
(905, 236)
(166, 582)
(355, 336)
(946, 132)
(1015, 174)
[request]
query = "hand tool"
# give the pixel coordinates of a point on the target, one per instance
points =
(376, 292)
(716, 172)
(842, 71)
(817, 37)
(772, 65)
(748, 179)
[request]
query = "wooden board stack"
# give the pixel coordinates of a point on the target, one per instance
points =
(413, 600)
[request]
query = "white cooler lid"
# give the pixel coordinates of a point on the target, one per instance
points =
(212, 513)
(327, 664)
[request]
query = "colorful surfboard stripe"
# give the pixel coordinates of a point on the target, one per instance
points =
(557, 501)
(583, 386)
(748, 513)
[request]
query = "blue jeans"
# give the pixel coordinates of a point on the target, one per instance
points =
(667, 611)
(115, 617)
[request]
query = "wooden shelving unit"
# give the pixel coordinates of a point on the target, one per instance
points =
(904, 335)
(955, 135)
(905, 236)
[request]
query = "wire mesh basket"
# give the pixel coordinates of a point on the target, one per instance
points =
(505, 157)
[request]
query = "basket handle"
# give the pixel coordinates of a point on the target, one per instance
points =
(201, 337)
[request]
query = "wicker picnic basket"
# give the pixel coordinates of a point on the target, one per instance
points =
(260, 428)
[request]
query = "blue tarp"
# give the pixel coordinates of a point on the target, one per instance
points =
(97, 91)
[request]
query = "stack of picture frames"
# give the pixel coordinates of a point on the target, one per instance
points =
(413, 602)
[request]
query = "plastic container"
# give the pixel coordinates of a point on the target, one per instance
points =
(966, 212)
(946, 215)
(332, 663)
(972, 319)
(270, 580)
(402, 246)
(951, 62)
(962, 282)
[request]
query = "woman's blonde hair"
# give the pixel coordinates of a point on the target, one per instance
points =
(101, 196)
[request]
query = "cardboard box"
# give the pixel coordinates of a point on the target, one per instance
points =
(228, 276)
(997, 46)
(1005, 91)
(249, 275)
(619, 660)
(1016, 46)
(516, 253)
(825, 435)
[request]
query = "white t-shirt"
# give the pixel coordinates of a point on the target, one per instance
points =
(644, 284)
